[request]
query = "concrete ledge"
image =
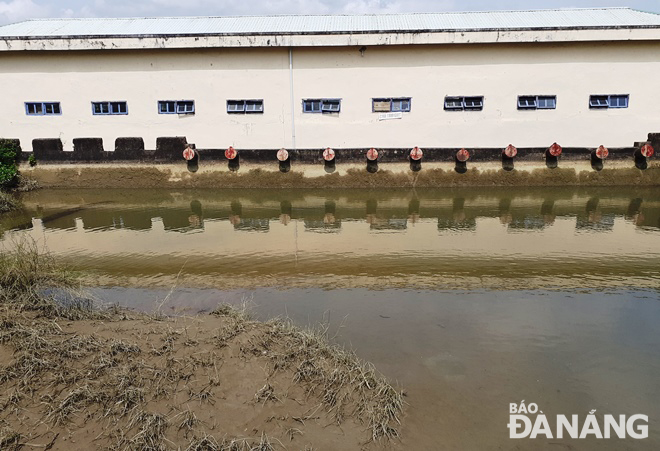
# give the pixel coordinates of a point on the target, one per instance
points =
(170, 149)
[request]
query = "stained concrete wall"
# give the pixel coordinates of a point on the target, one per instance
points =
(427, 73)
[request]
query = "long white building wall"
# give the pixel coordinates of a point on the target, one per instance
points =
(426, 73)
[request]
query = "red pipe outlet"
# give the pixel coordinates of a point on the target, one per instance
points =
(602, 152)
(510, 151)
(328, 154)
(372, 154)
(555, 150)
(647, 151)
(188, 153)
(463, 155)
(416, 154)
(282, 155)
(230, 153)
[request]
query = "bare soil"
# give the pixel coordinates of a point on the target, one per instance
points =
(78, 379)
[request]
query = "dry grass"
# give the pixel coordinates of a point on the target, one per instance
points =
(346, 385)
(8, 202)
(140, 383)
(26, 184)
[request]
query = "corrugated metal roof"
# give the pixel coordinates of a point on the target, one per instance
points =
(328, 24)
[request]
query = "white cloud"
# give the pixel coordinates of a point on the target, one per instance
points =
(16, 10)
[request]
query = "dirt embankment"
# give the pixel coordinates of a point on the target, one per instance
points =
(76, 377)
(217, 176)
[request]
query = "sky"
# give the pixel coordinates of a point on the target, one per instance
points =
(18, 10)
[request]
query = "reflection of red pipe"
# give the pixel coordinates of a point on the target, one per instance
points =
(462, 155)
(328, 154)
(188, 153)
(372, 154)
(282, 155)
(230, 153)
(555, 150)
(510, 151)
(602, 152)
(416, 154)
(647, 151)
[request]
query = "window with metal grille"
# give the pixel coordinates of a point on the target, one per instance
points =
(321, 105)
(537, 102)
(609, 101)
(457, 103)
(42, 108)
(176, 107)
(394, 104)
(245, 106)
(108, 108)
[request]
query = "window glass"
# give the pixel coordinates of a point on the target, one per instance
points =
(166, 107)
(598, 101)
(618, 101)
(186, 106)
(119, 107)
(547, 102)
(525, 102)
(454, 103)
(235, 106)
(34, 108)
(474, 103)
(254, 106)
(330, 106)
(401, 104)
(42, 108)
(312, 106)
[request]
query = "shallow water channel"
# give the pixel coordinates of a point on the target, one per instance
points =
(471, 299)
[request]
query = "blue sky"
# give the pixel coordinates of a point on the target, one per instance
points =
(17, 10)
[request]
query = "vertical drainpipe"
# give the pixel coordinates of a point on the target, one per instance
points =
(293, 112)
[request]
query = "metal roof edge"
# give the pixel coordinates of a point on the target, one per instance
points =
(329, 33)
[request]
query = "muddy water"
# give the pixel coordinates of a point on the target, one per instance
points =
(470, 299)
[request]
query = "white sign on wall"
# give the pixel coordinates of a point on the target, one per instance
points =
(389, 116)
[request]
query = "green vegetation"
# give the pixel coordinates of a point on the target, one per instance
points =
(9, 152)
(32, 161)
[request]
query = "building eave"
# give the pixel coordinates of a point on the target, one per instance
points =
(418, 37)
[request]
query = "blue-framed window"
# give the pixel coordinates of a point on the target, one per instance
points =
(176, 107)
(609, 101)
(321, 105)
(108, 108)
(43, 108)
(394, 104)
(470, 103)
(245, 106)
(537, 102)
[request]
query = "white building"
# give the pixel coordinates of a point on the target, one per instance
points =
(581, 77)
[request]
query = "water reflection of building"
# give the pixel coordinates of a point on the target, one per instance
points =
(383, 221)
(251, 224)
(593, 219)
(527, 223)
(327, 215)
(327, 224)
(388, 224)
(458, 219)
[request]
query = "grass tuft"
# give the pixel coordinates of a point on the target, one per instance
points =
(8, 202)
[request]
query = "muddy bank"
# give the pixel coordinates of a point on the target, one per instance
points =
(353, 176)
(76, 376)
(128, 381)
